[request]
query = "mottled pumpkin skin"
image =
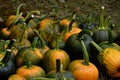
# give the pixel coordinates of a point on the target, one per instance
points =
(32, 72)
(83, 72)
(49, 59)
(27, 54)
(16, 77)
(53, 74)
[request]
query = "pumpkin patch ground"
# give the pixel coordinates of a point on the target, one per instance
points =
(84, 35)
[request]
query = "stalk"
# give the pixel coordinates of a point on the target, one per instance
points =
(18, 9)
(40, 37)
(29, 15)
(60, 75)
(29, 64)
(15, 21)
(97, 46)
(34, 43)
(72, 21)
(85, 54)
(22, 34)
(102, 17)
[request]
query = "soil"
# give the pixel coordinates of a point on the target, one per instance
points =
(63, 8)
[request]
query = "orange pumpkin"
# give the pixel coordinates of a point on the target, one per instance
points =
(16, 77)
(30, 71)
(49, 59)
(12, 18)
(83, 69)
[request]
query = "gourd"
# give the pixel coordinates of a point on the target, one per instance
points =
(16, 77)
(59, 72)
(109, 58)
(73, 45)
(82, 69)
(49, 58)
(7, 66)
(30, 71)
(29, 54)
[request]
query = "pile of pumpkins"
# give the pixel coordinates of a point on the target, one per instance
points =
(37, 48)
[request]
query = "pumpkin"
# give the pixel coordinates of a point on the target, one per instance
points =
(49, 29)
(7, 66)
(65, 23)
(109, 43)
(12, 18)
(59, 72)
(73, 45)
(49, 58)
(42, 44)
(30, 71)
(29, 54)
(101, 33)
(16, 77)
(83, 69)
(109, 58)
(21, 41)
(71, 30)
(5, 31)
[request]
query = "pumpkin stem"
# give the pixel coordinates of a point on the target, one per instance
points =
(29, 64)
(110, 37)
(15, 21)
(97, 46)
(22, 34)
(28, 15)
(18, 9)
(40, 37)
(102, 18)
(2, 46)
(7, 54)
(34, 43)
(60, 76)
(71, 22)
(85, 54)
(58, 36)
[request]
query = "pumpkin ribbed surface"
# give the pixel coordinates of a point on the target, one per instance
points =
(110, 58)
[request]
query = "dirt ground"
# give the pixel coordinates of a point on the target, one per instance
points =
(62, 8)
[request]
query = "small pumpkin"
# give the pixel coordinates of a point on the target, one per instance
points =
(71, 30)
(49, 58)
(65, 23)
(59, 72)
(29, 54)
(16, 77)
(7, 66)
(83, 69)
(30, 71)
(12, 18)
(49, 29)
